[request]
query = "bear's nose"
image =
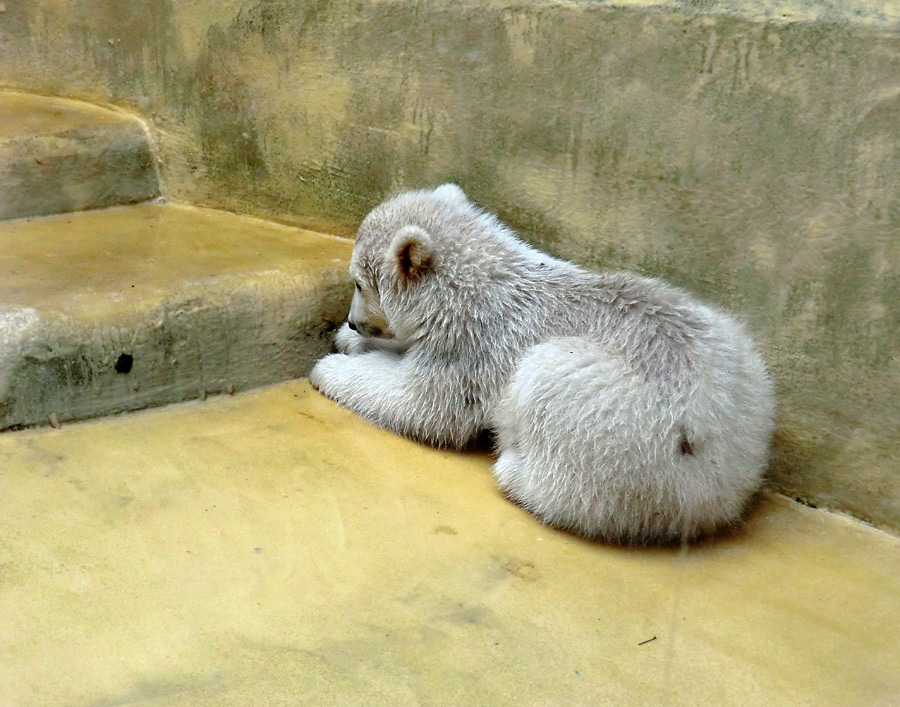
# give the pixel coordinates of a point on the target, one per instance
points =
(351, 325)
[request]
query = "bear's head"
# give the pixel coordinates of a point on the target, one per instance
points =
(410, 259)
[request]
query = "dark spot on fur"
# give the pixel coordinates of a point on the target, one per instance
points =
(686, 446)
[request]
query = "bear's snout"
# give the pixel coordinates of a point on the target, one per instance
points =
(368, 330)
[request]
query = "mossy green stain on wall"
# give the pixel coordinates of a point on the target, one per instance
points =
(229, 137)
(755, 164)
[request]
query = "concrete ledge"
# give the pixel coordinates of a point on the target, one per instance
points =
(272, 548)
(127, 308)
(58, 155)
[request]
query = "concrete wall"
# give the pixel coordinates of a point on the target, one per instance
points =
(749, 151)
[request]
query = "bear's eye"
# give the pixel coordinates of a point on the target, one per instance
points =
(358, 288)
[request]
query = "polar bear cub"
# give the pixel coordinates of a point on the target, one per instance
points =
(622, 409)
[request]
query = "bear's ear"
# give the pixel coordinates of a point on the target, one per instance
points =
(451, 193)
(411, 253)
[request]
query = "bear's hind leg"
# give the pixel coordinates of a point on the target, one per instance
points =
(573, 447)
(509, 473)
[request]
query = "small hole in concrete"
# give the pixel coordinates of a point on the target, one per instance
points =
(124, 363)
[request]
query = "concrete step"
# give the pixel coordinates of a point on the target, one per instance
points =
(58, 155)
(125, 308)
(273, 548)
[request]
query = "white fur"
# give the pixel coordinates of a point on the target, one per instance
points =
(622, 408)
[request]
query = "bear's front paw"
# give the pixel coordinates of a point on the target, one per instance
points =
(347, 341)
(317, 374)
(326, 376)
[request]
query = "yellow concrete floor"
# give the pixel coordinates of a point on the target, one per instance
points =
(271, 548)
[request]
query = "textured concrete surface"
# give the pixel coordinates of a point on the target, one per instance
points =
(58, 155)
(272, 548)
(745, 149)
(119, 309)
